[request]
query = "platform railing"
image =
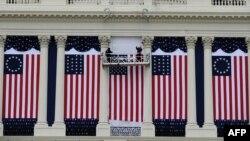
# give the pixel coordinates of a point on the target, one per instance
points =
(125, 60)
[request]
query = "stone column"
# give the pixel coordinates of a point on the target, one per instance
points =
(59, 128)
(148, 129)
(248, 52)
(2, 43)
(103, 127)
(208, 127)
(41, 128)
(192, 127)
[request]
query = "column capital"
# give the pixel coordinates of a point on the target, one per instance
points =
(44, 40)
(61, 41)
(190, 41)
(207, 42)
(147, 41)
(104, 40)
(2, 40)
(248, 42)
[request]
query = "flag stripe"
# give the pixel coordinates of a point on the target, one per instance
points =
(247, 90)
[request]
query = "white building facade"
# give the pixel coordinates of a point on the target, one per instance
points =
(192, 20)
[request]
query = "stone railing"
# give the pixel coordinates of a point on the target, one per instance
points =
(170, 2)
(207, 3)
(22, 1)
(229, 2)
(126, 2)
(97, 2)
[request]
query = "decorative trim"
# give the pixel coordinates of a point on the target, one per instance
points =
(147, 41)
(125, 17)
(61, 41)
(104, 41)
(2, 40)
(248, 42)
(125, 131)
(207, 42)
(44, 41)
(191, 41)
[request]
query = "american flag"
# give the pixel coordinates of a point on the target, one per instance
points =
(169, 85)
(126, 93)
(230, 86)
(82, 86)
(21, 85)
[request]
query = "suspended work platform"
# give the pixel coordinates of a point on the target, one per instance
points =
(125, 60)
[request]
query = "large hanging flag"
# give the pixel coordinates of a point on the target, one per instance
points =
(230, 79)
(82, 78)
(21, 78)
(126, 94)
(169, 78)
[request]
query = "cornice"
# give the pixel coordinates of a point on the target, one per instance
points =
(126, 17)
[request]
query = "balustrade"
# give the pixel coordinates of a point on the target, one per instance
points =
(170, 2)
(126, 2)
(84, 2)
(23, 1)
(229, 2)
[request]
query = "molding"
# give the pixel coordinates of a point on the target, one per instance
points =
(125, 17)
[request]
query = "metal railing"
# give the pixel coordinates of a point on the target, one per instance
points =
(97, 2)
(170, 2)
(126, 2)
(229, 2)
(22, 1)
(125, 60)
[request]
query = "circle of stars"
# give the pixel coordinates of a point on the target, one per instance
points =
(12, 65)
(221, 66)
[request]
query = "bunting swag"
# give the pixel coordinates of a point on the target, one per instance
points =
(20, 84)
(82, 85)
(230, 81)
(169, 84)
